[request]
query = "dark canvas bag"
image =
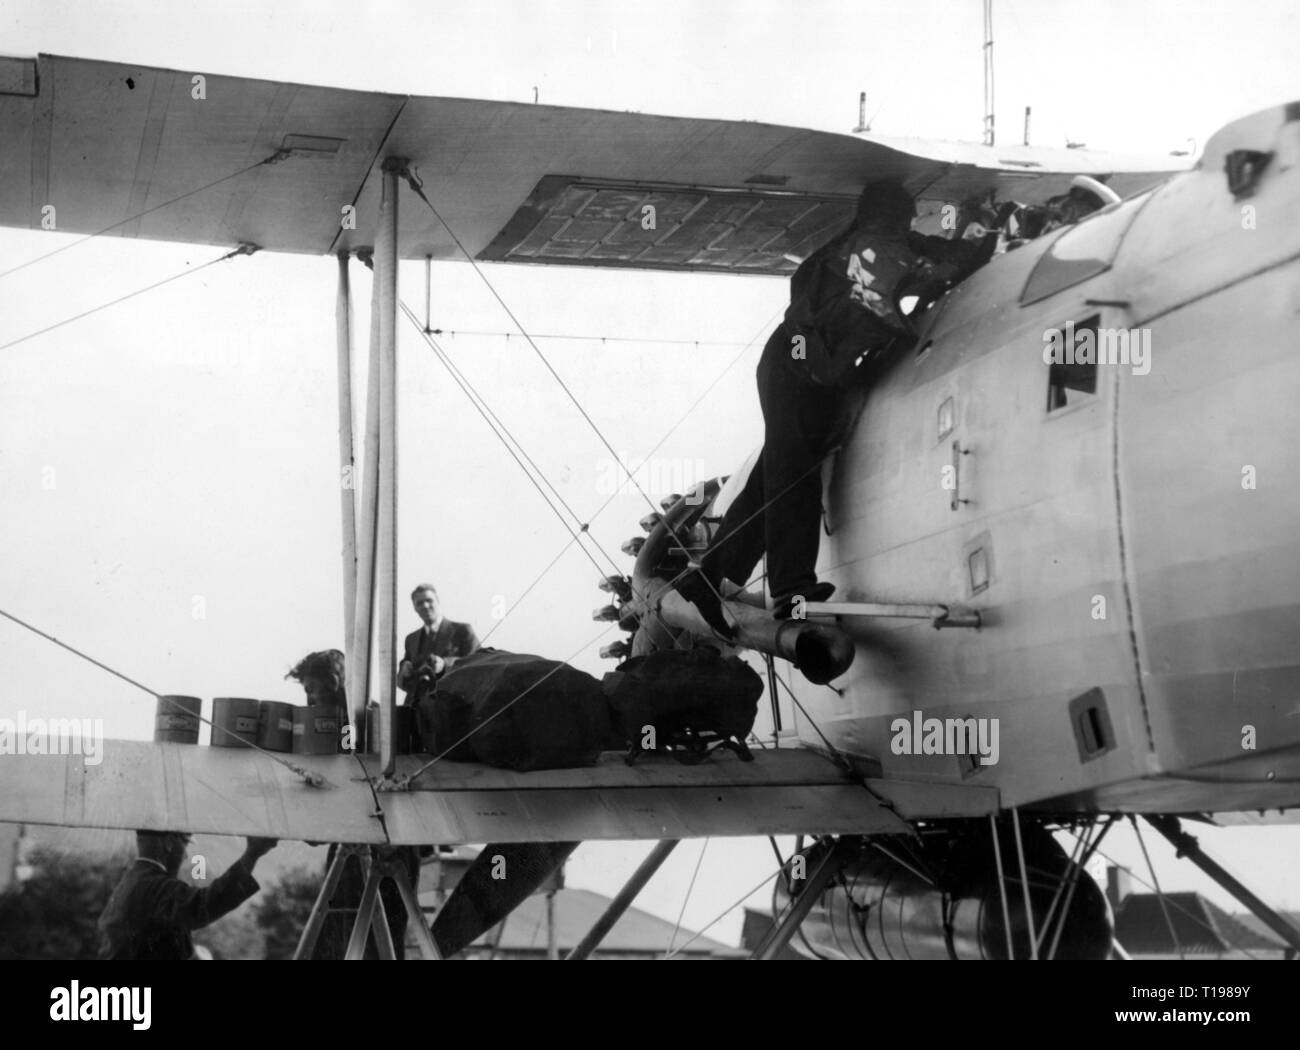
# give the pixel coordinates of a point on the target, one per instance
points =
(516, 711)
(695, 701)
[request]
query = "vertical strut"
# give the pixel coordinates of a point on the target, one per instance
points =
(386, 539)
(347, 465)
(552, 945)
(1002, 887)
(366, 478)
(1024, 884)
(988, 73)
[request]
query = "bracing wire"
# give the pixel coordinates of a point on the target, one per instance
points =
(508, 445)
(1164, 908)
(315, 779)
(480, 403)
(418, 189)
(502, 433)
(456, 333)
(242, 250)
(694, 405)
(1191, 916)
(687, 899)
(722, 915)
(277, 155)
(406, 780)
(528, 590)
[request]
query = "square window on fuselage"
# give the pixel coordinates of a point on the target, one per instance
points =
(1072, 363)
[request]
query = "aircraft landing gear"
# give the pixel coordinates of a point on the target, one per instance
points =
(378, 863)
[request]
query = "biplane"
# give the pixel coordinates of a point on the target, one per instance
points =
(1098, 562)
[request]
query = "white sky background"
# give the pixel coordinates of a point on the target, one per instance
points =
(193, 430)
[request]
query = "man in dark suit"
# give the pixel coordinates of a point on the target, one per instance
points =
(151, 912)
(435, 647)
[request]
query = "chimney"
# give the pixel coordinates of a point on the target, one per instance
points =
(1119, 884)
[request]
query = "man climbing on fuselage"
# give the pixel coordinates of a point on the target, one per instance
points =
(843, 313)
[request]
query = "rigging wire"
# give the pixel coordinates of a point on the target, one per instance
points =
(514, 455)
(528, 590)
(485, 409)
(685, 944)
(1164, 908)
(245, 249)
(737, 531)
(315, 779)
(694, 405)
(414, 182)
(687, 899)
(458, 332)
(278, 155)
(1090, 844)
(836, 754)
(1173, 904)
(407, 779)
(500, 429)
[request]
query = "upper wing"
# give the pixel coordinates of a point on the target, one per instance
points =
(102, 142)
(229, 791)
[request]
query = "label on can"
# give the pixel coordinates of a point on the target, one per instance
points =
(177, 721)
(327, 725)
(245, 725)
(285, 725)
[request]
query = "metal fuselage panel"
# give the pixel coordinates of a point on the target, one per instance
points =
(1042, 510)
(1123, 554)
(1209, 445)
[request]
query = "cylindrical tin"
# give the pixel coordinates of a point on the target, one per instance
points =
(403, 724)
(177, 720)
(275, 726)
(234, 721)
(316, 730)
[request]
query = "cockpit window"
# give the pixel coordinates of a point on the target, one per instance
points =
(1082, 251)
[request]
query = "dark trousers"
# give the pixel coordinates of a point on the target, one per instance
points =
(799, 425)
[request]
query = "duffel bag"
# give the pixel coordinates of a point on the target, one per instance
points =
(518, 711)
(686, 702)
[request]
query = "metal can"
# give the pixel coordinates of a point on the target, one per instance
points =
(275, 725)
(317, 730)
(177, 719)
(234, 721)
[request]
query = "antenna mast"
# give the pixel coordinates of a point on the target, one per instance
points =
(988, 72)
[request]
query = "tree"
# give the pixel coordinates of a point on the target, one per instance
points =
(234, 936)
(284, 908)
(53, 914)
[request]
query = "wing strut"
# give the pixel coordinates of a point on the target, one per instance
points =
(809, 894)
(1188, 847)
(376, 576)
(378, 863)
(623, 901)
(347, 469)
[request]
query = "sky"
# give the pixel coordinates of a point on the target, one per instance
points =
(191, 536)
